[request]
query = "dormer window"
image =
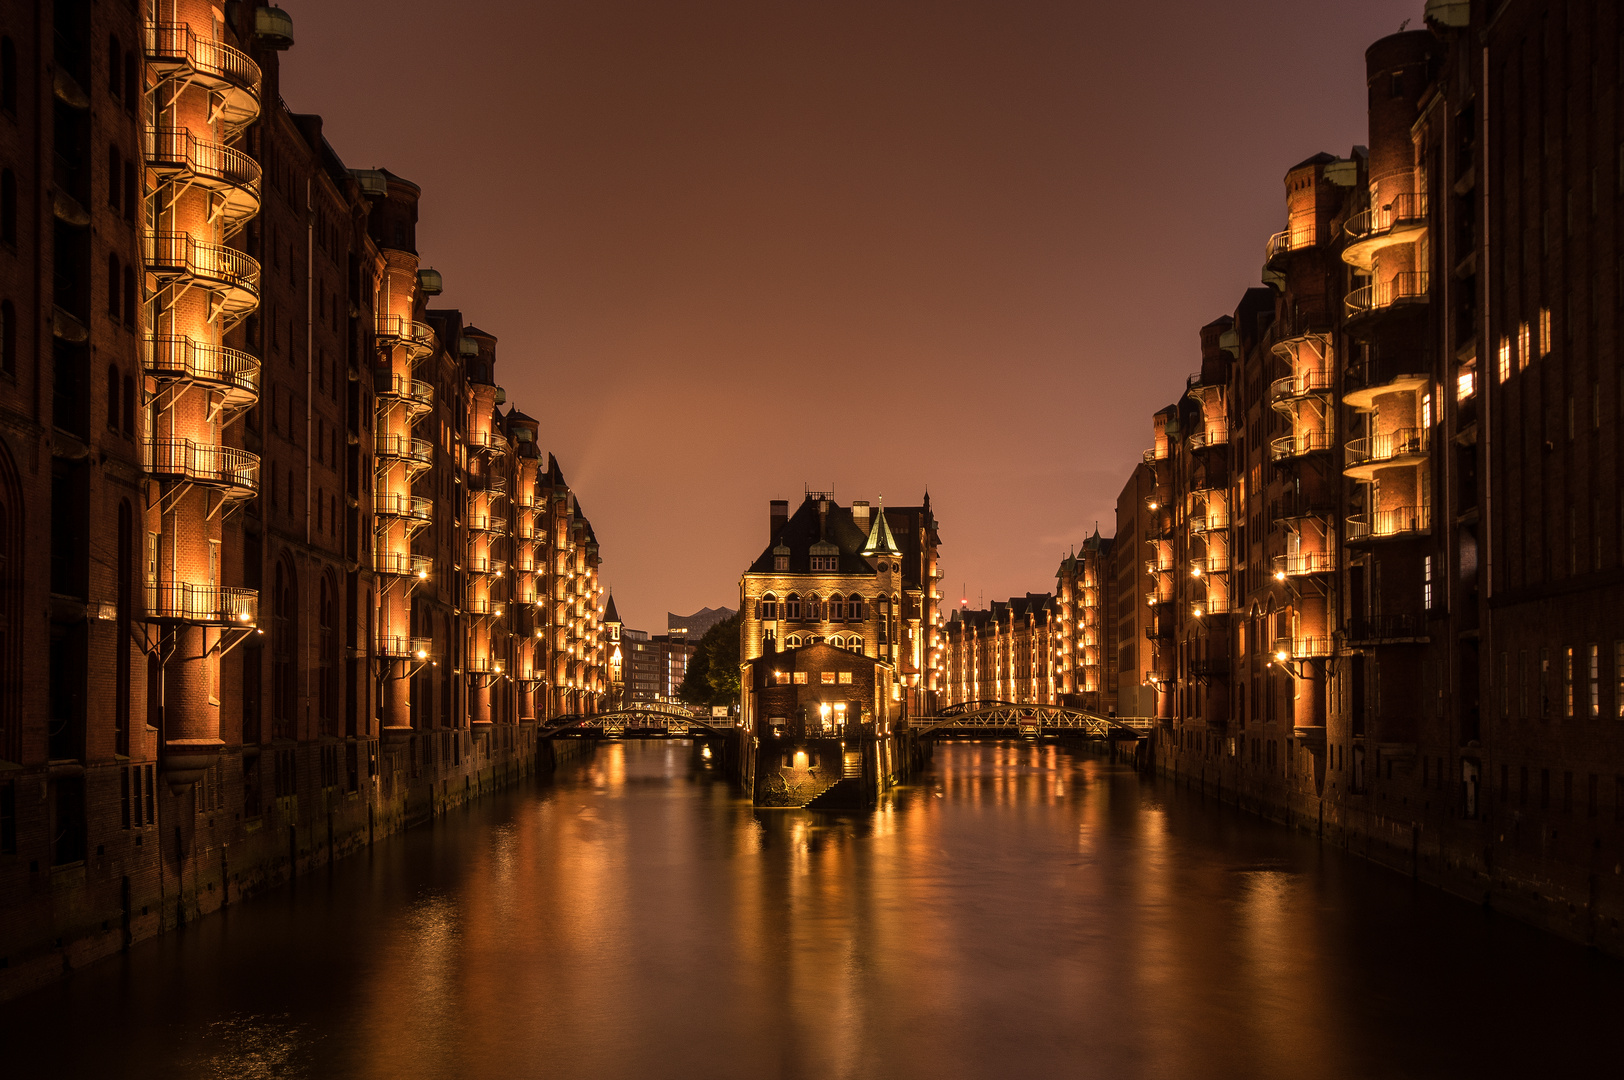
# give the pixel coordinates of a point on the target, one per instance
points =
(826, 563)
(780, 559)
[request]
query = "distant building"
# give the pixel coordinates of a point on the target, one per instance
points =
(858, 578)
(1003, 653)
(693, 626)
(644, 667)
(1085, 638)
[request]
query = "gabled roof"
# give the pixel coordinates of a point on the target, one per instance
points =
(807, 528)
(609, 613)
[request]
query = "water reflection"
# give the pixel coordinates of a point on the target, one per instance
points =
(1018, 912)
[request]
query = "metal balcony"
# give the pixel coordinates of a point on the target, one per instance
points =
(1210, 564)
(396, 647)
(1402, 446)
(234, 473)
(485, 565)
(1301, 385)
(1213, 436)
(229, 275)
(416, 338)
(1288, 447)
(230, 176)
(1305, 563)
(205, 605)
(1400, 220)
(175, 52)
(231, 372)
(1209, 522)
(1399, 522)
(413, 508)
(415, 394)
(417, 452)
(402, 564)
(1295, 238)
(1409, 287)
(484, 606)
(1398, 629)
(488, 523)
(491, 442)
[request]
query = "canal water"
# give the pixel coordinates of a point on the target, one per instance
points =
(1021, 911)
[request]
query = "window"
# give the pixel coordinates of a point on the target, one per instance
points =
(792, 607)
(854, 608)
(1567, 681)
(1593, 708)
(114, 383)
(1426, 583)
(8, 207)
(792, 642)
(769, 607)
(1618, 679)
(845, 678)
(1544, 332)
(780, 678)
(800, 678)
(827, 678)
(837, 608)
(825, 563)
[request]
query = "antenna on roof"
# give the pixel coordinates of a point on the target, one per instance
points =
(1402, 25)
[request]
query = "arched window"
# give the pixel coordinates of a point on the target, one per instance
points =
(8, 206)
(792, 608)
(813, 608)
(8, 338)
(114, 383)
(129, 406)
(115, 286)
(854, 608)
(769, 607)
(793, 641)
(8, 75)
(837, 608)
(115, 178)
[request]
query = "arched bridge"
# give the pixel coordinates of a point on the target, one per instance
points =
(1009, 718)
(644, 720)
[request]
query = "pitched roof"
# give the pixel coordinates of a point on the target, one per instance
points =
(808, 527)
(880, 540)
(609, 613)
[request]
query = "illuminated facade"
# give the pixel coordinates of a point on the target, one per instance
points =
(860, 578)
(1008, 652)
(278, 571)
(1085, 637)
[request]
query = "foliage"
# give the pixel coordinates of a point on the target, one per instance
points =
(713, 671)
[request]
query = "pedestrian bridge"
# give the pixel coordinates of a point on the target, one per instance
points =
(1004, 718)
(646, 720)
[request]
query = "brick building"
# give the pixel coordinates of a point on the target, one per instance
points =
(277, 570)
(1385, 553)
(1085, 638)
(854, 577)
(1008, 651)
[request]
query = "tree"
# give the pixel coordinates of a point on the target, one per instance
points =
(713, 671)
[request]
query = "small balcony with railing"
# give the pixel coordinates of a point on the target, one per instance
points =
(486, 566)
(417, 338)
(1303, 648)
(417, 454)
(229, 276)
(175, 53)
(1212, 435)
(1305, 563)
(415, 510)
(1398, 218)
(402, 564)
(1299, 236)
(1285, 393)
(1299, 445)
(232, 373)
(393, 388)
(233, 473)
(231, 177)
(489, 441)
(1403, 289)
(1393, 523)
(1214, 517)
(1213, 562)
(492, 524)
(1401, 447)
(1403, 628)
(203, 605)
(484, 606)
(398, 647)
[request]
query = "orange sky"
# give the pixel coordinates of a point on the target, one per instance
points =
(736, 247)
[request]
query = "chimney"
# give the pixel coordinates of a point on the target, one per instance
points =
(859, 514)
(780, 517)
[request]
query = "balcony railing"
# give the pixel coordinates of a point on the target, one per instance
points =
(1378, 220)
(402, 563)
(1295, 238)
(483, 565)
(1302, 384)
(232, 274)
(176, 151)
(1400, 443)
(418, 337)
(1397, 521)
(1305, 563)
(235, 472)
(411, 507)
(416, 394)
(1211, 563)
(484, 605)
(404, 448)
(1407, 287)
(1299, 445)
(233, 372)
(1155, 454)
(1158, 566)
(1211, 521)
(1304, 648)
(172, 48)
(397, 647)
(1212, 435)
(488, 523)
(212, 605)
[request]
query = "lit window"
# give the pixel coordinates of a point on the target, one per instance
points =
(845, 678)
(827, 678)
(1524, 352)
(1545, 331)
(780, 678)
(800, 678)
